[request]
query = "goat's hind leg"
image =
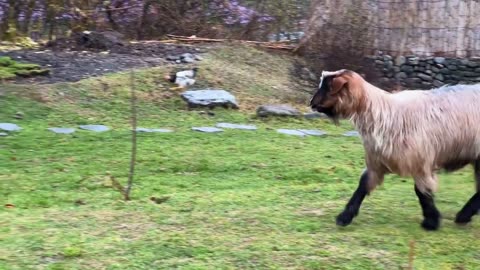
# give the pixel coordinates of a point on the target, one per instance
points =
(368, 181)
(473, 205)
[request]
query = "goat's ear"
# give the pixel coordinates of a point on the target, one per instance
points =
(338, 83)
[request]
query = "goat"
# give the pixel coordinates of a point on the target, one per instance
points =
(410, 133)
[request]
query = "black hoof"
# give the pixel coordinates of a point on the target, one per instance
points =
(344, 219)
(462, 219)
(431, 224)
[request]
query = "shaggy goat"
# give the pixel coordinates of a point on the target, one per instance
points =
(409, 133)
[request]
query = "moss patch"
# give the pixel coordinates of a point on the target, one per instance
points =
(9, 69)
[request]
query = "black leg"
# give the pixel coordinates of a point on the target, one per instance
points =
(353, 206)
(431, 214)
(473, 205)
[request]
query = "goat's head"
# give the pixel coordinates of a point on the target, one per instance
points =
(337, 94)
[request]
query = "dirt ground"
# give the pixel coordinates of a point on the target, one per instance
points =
(70, 65)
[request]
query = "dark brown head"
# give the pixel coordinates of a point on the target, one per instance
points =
(337, 95)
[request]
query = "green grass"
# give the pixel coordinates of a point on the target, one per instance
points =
(9, 69)
(236, 200)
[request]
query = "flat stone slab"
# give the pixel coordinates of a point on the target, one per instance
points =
(291, 132)
(3, 134)
(210, 98)
(207, 129)
(313, 132)
(277, 110)
(236, 126)
(315, 115)
(154, 130)
(351, 134)
(95, 128)
(62, 130)
(9, 127)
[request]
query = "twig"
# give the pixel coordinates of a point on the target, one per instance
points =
(134, 138)
(411, 255)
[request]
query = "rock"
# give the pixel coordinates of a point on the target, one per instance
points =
(435, 69)
(95, 128)
(452, 67)
(469, 74)
(439, 77)
(439, 60)
(388, 65)
(438, 83)
(207, 129)
(19, 115)
(425, 77)
(100, 40)
(407, 69)
(198, 58)
(387, 57)
(477, 70)
(464, 62)
(313, 132)
(429, 72)
(401, 75)
(3, 134)
(236, 126)
(413, 81)
(413, 60)
(446, 71)
(291, 132)
(172, 58)
(188, 60)
(154, 130)
(400, 60)
(9, 127)
(210, 98)
(379, 62)
(62, 130)
(314, 115)
(277, 110)
(351, 134)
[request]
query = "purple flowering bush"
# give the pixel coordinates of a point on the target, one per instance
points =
(144, 18)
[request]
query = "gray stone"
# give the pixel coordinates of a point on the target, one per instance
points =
(207, 129)
(277, 110)
(422, 63)
(429, 72)
(427, 84)
(469, 74)
(452, 67)
(236, 126)
(435, 69)
(413, 81)
(445, 71)
(407, 69)
(400, 60)
(387, 57)
(313, 132)
(439, 60)
(95, 128)
(388, 65)
(351, 134)
(62, 130)
(379, 62)
(314, 115)
(9, 127)
(396, 69)
(425, 77)
(437, 83)
(401, 75)
(210, 98)
(154, 130)
(3, 134)
(464, 62)
(172, 58)
(291, 132)
(439, 77)
(188, 60)
(476, 79)
(198, 58)
(419, 68)
(477, 70)
(413, 60)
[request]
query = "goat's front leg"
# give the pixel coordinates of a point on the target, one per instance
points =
(425, 196)
(368, 181)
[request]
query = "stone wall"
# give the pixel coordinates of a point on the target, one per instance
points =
(427, 72)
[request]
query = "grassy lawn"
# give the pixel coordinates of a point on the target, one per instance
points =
(236, 200)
